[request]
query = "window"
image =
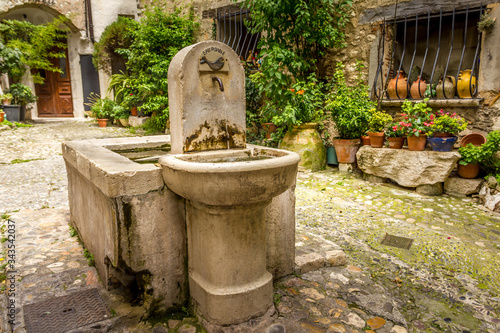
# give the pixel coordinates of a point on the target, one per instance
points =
(441, 48)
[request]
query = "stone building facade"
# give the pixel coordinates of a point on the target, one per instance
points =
(64, 95)
(369, 39)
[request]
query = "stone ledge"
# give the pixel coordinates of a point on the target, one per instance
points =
(407, 168)
(461, 187)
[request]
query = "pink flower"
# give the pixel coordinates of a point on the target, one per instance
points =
(414, 130)
(419, 131)
(432, 116)
(406, 118)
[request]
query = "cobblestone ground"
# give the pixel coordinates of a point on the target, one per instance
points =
(448, 281)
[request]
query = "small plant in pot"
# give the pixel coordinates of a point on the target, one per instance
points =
(102, 109)
(417, 119)
(396, 135)
(378, 122)
(472, 158)
(6, 98)
(350, 108)
(444, 129)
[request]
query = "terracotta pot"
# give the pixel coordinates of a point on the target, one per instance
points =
(468, 171)
(476, 139)
(396, 143)
(6, 101)
(377, 139)
(417, 143)
(466, 84)
(133, 111)
(398, 87)
(269, 128)
(446, 87)
(305, 141)
(365, 140)
(102, 122)
(418, 84)
(2, 115)
(346, 149)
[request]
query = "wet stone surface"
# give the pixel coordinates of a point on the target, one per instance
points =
(447, 282)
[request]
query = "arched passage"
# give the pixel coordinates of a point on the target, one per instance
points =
(61, 94)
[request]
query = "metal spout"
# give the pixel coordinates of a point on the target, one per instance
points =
(219, 81)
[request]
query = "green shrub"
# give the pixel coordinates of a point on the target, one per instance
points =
(484, 154)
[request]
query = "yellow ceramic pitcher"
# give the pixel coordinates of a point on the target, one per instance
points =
(466, 84)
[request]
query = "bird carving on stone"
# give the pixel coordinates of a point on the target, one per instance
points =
(214, 65)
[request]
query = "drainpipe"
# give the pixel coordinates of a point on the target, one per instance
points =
(88, 9)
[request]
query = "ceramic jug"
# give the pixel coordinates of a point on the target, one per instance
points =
(414, 91)
(399, 84)
(466, 84)
(448, 88)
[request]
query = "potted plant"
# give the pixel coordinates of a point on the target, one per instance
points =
(350, 108)
(473, 157)
(22, 95)
(331, 155)
(396, 135)
(378, 122)
(302, 110)
(102, 109)
(121, 114)
(444, 130)
(6, 98)
(417, 120)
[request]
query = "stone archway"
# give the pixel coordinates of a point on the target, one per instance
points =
(61, 93)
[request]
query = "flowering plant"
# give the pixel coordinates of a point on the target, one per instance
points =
(303, 103)
(448, 123)
(395, 130)
(417, 117)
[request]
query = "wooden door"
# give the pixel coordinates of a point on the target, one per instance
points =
(54, 95)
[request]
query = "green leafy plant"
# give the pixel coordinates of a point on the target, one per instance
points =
(6, 96)
(350, 106)
(303, 103)
(115, 37)
(484, 154)
(27, 45)
(101, 108)
(155, 41)
(22, 94)
(379, 120)
(295, 37)
(417, 117)
(447, 123)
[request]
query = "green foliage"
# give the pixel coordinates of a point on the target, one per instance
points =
(116, 36)
(295, 36)
(302, 103)
(350, 106)
(484, 154)
(104, 108)
(379, 121)
(417, 117)
(10, 59)
(6, 96)
(155, 41)
(22, 94)
(448, 123)
(90, 257)
(37, 44)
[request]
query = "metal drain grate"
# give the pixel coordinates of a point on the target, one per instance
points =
(396, 241)
(64, 313)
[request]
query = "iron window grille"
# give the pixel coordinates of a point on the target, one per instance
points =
(441, 44)
(230, 25)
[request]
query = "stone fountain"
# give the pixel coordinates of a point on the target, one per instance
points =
(213, 223)
(227, 184)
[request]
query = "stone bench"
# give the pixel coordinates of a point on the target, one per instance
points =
(424, 170)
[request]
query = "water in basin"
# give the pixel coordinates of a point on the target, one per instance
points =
(144, 155)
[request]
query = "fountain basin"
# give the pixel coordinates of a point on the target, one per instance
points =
(227, 194)
(232, 177)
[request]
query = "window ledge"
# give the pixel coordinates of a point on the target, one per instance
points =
(457, 103)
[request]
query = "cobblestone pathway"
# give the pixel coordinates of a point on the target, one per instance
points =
(448, 281)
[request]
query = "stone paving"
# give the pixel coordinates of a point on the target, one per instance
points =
(448, 281)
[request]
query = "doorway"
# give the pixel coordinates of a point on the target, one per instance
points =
(54, 95)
